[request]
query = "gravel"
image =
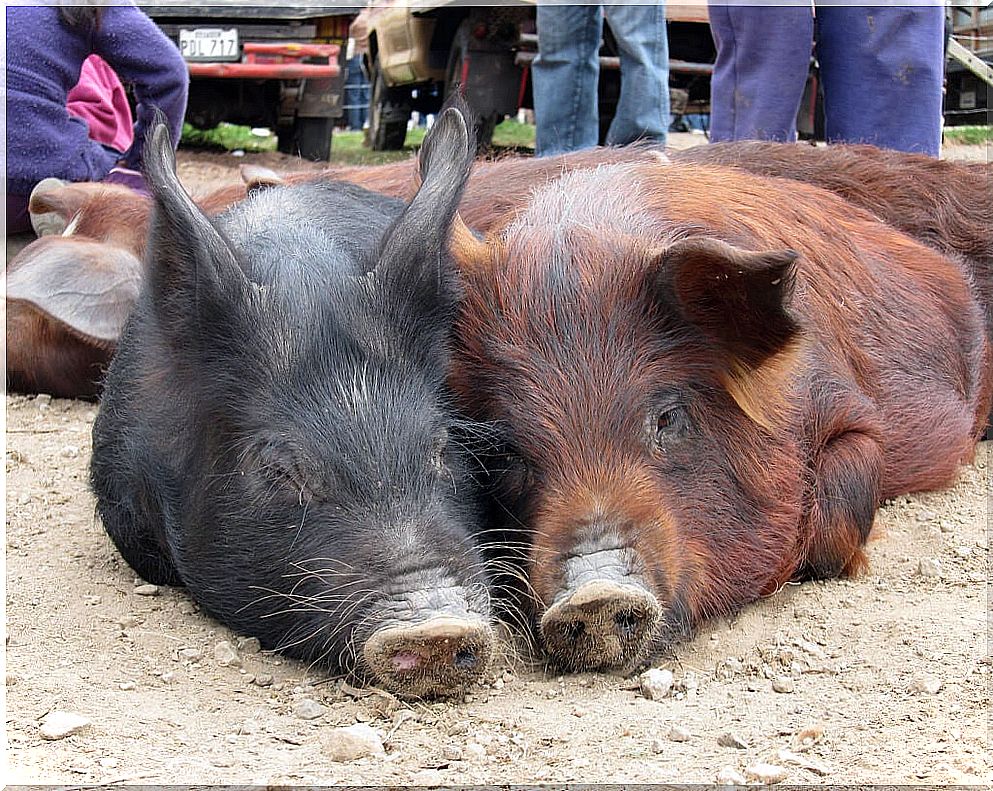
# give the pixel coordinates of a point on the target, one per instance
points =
(226, 655)
(656, 683)
(351, 743)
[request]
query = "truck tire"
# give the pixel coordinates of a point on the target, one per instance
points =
(309, 138)
(389, 112)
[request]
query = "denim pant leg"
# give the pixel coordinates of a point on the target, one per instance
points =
(643, 108)
(763, 56)
(564, 78)
(882, 71)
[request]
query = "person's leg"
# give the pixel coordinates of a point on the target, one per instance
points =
(643, 108)
(763, 56)
(882, 71)
(564, 78)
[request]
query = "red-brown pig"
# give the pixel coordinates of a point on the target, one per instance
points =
(706, 381)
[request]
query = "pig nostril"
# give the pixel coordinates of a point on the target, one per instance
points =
(465, 659)
(627, 623)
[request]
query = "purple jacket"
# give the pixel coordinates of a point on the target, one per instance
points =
(44, 59)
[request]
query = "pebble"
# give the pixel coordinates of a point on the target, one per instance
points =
(43, 399)
(929, 568)
(656, 683)
(126, 686)
(458, 728)
(475, 752)
(732, 740)
(963, 551)
(498, 684)
(147, 590)
(926, 516)
(351, 743)
(263, 680)
(92, 600)
(804, 762)
(767, 774)
(127, 621)
(190, 654)
(226, 655)
(69, 451)
(783, 684)
(807, 737)
(308, 709)
(23, 499)
(925, 683)
(60, 724)
(451, 752)
(249, 645)
(946, 526)
(658, 747)
(729, 776)
(677, 733)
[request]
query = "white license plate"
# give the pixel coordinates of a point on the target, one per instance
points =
(209, 44)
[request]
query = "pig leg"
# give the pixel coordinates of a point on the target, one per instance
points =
(846, 493)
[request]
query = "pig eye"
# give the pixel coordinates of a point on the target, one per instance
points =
(509, 473)
(671, 424)
(285, 472)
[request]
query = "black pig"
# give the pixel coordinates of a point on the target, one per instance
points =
(275, 432)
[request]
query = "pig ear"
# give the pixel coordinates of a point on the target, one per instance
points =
(193, 271)
(738, 298)
(414, 248)
(86, 286)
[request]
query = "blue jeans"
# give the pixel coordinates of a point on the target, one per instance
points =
(881, 70)
(565, 73)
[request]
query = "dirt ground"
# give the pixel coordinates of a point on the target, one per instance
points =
(880, 680)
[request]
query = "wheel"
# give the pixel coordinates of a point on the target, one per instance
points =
(453, 78)
(389, 112)
(309, 138)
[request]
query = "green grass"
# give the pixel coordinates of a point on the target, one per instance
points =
(229, 137)
(347, 148)
(971, 135)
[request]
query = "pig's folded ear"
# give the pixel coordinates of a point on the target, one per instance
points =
(414, 246)
(738, 298)
(192, 268)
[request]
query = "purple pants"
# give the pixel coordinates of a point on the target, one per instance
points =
(881, 70)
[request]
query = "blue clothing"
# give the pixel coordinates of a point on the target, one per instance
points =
(44, 58)
(881, 70)
(565, 73)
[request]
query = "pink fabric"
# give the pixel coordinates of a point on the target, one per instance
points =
(99, 99)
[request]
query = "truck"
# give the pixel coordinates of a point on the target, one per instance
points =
(416, 55)
(274, 66)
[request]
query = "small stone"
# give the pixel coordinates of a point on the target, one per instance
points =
(926, 516)
(925, 683)
(351, 743)
(658, 746)
(451, 752)
(804, 762)
(107, 763)
(783, 684)
(92, 600)
(147, 590)
(475, 752)
(928, 568)
(732, 740)
(963, 551)
(656, 683)
(729, 776)
(128, 621)
(807, 737)
(60, 724)
(677, 733)
(11, 679)
(507, 677)
(263, 680)
(222, 760)
(226, 655)
(498, 684)
(946, 526)
(767, 774)
(23, 499)
(458, 728)
(43, 399)
(169, 677)
(249, 645)
(308, 709)
(69, 451)
(126, 686)
(190, 654)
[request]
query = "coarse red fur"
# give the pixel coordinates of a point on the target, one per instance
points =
(802, 392)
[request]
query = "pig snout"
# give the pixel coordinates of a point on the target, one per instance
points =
(434, 646)
(604, 617)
